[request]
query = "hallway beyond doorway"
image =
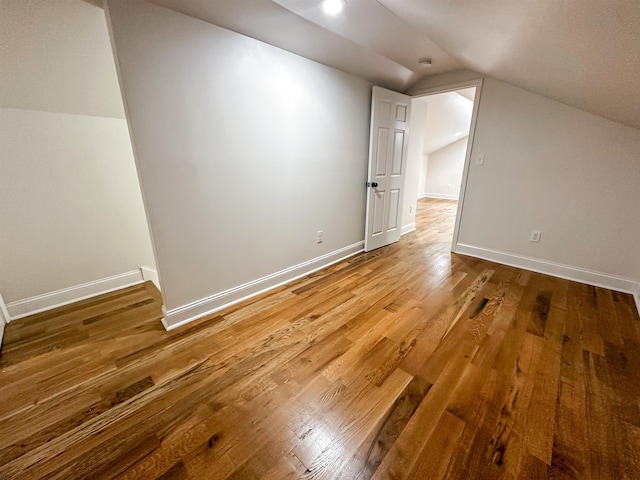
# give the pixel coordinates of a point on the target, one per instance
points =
(435, 219)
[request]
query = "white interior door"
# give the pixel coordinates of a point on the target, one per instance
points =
(387, 164)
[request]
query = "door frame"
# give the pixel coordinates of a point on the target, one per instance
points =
(378, 95)
(425, 92)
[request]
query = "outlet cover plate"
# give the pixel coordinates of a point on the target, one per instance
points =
(535, 236)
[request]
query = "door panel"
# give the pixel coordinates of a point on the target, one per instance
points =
(398, 149)
(381, 154)
(384, 109)
(387, 160)
(394, 203)
(378, 213)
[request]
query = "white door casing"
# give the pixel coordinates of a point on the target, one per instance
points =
(388, 143)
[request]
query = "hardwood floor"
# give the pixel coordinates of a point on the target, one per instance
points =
(407, 362)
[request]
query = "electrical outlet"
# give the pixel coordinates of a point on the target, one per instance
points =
(535, 236)
(319, 236)
(410, 208)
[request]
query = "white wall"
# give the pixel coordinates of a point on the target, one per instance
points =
(444, 171)
(554, 168)
(70, 204)
(244, 151)
(422, 180)
(55, 56)
(448, 119)
(414, 162)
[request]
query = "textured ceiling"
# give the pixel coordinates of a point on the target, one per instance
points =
(580, 52)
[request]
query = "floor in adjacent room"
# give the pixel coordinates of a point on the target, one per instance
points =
(404, 362)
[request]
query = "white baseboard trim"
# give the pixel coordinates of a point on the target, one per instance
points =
(47, 301)
(636, 297)
(590, 277)
(410, 227)
(150, 274)
(441, 196)
(4, 319)
(4, 313)
(176, 317)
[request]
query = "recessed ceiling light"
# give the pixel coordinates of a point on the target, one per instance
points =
(333, 7)
(458, 134)
(425, 61)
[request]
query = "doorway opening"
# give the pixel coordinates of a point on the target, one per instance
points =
(442, 125)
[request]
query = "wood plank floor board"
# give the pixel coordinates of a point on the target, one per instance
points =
(438, 451)
(570, 457)
(407, 362)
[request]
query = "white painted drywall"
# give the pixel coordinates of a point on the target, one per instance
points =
(70, 204)
(244, 150)
(444, 170)
(448, 119)
(55, 56)
(414, 160)
(468, 93)
(422, 180)
(554, 168)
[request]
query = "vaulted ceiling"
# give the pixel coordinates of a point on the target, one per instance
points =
(583, 53)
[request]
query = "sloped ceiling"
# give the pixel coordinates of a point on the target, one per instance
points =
(448, 120)
(368, 40)
(583, 53)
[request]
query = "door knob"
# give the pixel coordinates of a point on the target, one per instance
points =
(372, 184)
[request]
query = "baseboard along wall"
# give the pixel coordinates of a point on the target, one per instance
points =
(47, 301)
(4, 319)
(4, 313)
(177, 317)
(408, 228)
(440, 196)
(152, 275)
(182, 315)
(590, 277)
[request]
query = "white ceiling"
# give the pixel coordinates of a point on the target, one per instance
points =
(468, 93)
(580, 52)
(367, 40)
(448, 119)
